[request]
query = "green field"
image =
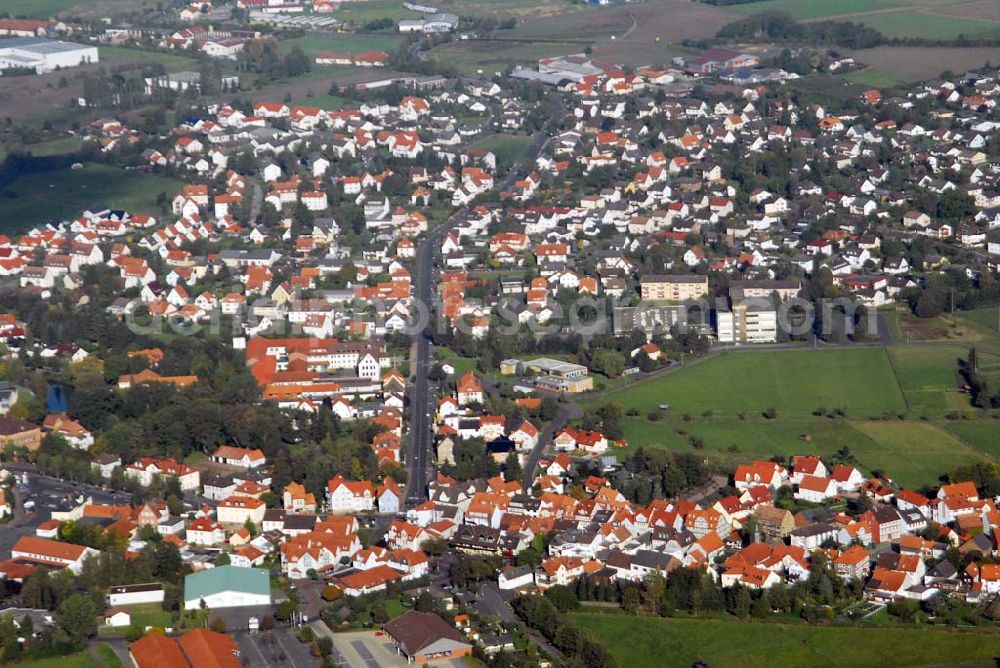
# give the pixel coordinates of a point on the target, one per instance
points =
(927, 377)
(875, 78)
(316, 43)
(507, 148)
(983, 436)
(930, 26)
(795, 382)
(912, 453)
(363, 12)
(471, 56)
(79, 660)
(813, 9)
(171, 62)
(648, 642)
(41, 9)
(37, 198)
(328, 102)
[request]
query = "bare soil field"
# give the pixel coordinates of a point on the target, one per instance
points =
(643, 33)
(917, 63)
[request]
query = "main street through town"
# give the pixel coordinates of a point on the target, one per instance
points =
(419, 454)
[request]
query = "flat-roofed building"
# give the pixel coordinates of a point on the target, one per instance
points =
(678, 288)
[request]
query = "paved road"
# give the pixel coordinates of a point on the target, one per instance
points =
(418, 455)
(566, 412)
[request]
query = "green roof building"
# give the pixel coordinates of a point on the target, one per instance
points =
(227, 587)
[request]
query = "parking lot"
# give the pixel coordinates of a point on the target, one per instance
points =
(274, 648)
(47, 493)
(362, 649)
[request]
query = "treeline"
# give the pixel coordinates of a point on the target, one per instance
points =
(983, 396)
(580, 649)
(778, 26)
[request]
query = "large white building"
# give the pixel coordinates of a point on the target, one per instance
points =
(747, 322)
(44, 55)
(226, 587)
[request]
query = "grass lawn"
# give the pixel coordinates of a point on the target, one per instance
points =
(813, 9)
(875, 78)
(507, 148)
(656, 643)
(79, 660)
(461, 364)
(143, 614)
(58, 146)
(932, 26)
(913, 453)
(108, 656)
(794, 382)
(37, 198)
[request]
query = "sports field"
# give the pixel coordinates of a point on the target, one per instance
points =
(795, 382)
(38, 198)
(649, 642)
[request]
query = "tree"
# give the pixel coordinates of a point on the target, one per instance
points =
(562, 597)
(219, 625)
(609, 362)
(630, 600)
(512, 467)
(380, 614)
(930, 303)
(223, 559)
(77, 618)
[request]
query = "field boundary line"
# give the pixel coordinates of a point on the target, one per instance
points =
(895, 375)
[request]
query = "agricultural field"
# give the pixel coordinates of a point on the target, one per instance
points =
(363, 12)
(511, 8)
(796, 382)
(507, 148)
(490, 56)
(982, 435)
(815, 9)
(648, 642)
(123, 55)
(913, 453)
(327, 102)
(316, 43)
(927, 376)
(41, 9)
(927, 25)
(875, 78)
(36, 198)
(917, 63)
